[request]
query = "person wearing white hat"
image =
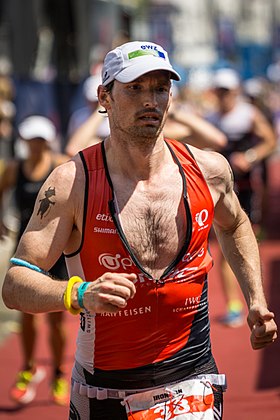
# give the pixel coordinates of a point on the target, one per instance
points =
(226, 78)
(79, 116)
(87, 125)
(25, 177)
(37, 127)
(132, 215)
(250, 140)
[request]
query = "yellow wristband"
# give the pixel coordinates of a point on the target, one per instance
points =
(67, 295)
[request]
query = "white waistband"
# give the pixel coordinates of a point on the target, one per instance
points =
(105, 393)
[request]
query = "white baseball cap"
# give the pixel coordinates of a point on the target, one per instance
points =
(37, 127)
(90, 87)
(133, 59)
(226, 78)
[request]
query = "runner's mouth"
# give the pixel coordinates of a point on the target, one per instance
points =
(150, 118)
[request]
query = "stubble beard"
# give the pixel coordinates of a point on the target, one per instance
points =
(140, 137)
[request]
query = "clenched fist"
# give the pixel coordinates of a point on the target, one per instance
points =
(108, 293)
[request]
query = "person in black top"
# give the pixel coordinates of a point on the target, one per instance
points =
(250, 140)
(26, 176)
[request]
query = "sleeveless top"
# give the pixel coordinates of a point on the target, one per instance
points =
(166, 325)
(26, 191)
(237, 126)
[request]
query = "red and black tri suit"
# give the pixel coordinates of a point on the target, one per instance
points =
(163, 333)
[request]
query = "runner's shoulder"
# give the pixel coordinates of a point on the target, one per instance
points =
(68, 177)
(211, 163)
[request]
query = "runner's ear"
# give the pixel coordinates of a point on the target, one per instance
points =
(103, 97)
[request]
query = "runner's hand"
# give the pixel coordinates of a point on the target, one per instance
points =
(262, 325)
(110, 292)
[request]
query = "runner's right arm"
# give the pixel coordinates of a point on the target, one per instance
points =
(55, 227)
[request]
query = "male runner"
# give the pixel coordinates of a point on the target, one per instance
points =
(132, 215)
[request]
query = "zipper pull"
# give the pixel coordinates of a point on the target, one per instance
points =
(159, 282)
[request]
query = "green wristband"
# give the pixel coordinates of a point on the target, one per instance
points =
(81, 291)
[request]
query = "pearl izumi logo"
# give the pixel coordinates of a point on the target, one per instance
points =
(201, 219)
(114, 262)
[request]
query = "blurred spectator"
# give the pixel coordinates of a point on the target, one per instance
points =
(250, 140)
(7, 113)
(255, 91)
(184, 124)
(87, 125)
(26, 177)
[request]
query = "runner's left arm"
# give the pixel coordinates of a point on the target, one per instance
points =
(240, 248)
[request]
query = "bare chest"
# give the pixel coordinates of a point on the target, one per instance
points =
(154, 224)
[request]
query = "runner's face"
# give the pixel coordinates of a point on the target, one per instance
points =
(139, 108)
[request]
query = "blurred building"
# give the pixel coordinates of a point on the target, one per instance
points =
(205, 34)
(50, 46)
(245, 34)
(39, 36)
(43, 37)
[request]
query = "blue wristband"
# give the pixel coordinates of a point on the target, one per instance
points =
(81, 291)
(23, 263)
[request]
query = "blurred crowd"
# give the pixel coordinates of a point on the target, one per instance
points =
(197, 97)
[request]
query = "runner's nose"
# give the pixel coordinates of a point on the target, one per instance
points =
(150, 99)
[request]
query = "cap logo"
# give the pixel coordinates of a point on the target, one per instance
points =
(139, 53)
(119, 64)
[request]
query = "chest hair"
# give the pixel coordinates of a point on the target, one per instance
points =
(154, 224)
